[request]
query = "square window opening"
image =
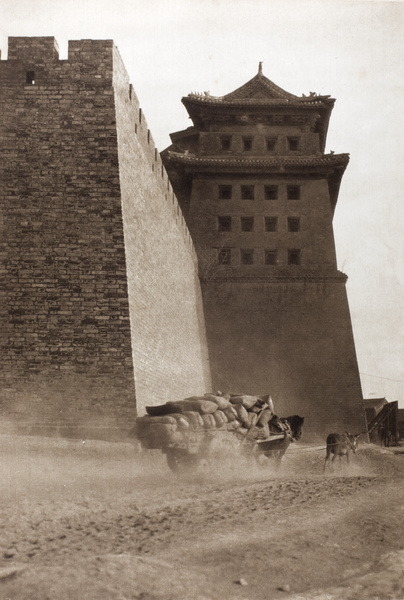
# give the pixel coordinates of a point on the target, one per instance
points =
(271, 143)
(247, 223)
(247, 143)
(293, 224)
(271, 257)
(293, 192)
(224, 223)
(271, 223)
(30, 77)
(293, 143)
(294, 257)
(247, 192)
(225, 192)
(247, 257)
(225, 142)
(271, 192)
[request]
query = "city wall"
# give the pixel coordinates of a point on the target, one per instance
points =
(100, 307)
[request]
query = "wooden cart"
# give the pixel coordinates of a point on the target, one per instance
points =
(186, 453)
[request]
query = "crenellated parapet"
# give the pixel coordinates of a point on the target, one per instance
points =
(34, 61)
(93, 72)
(40, 50)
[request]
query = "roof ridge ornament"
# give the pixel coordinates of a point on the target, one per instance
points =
(260, 67)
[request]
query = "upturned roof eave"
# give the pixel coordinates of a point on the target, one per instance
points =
(199, 109)
(258, 89)
(184, 133)
(330, 166)
(281, 162)
(197, 102)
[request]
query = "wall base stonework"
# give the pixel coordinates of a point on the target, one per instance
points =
(290, 339)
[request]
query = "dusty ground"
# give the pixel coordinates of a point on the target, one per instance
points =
(98, 521)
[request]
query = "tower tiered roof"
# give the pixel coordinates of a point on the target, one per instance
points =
(259, 96)
(259, 105)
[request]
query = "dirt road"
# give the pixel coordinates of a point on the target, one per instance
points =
(97, 521)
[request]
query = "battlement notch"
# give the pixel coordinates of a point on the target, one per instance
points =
(33, 49)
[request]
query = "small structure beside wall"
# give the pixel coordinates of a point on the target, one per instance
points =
(382, 421)
(400, 418)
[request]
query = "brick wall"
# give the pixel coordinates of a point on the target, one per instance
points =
(168, 331)
(75, 192)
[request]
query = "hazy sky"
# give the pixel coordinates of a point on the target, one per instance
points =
(352, 50)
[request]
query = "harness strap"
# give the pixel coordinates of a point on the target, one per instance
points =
(347, 440)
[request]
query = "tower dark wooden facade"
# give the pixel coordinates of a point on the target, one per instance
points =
(258, 194)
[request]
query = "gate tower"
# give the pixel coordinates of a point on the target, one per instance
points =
(258, 194)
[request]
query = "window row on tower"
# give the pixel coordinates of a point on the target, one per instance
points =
(249, 143)
(226, 223)
(251, 256)
(252, 192)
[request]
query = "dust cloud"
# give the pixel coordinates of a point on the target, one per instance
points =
(109, 521)
(34, 468)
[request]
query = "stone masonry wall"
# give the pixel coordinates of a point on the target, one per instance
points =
(67, 341)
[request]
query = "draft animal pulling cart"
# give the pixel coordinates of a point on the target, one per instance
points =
(187, 431)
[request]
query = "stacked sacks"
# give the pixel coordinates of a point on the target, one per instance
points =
(173, 422)
(254, 413)
(158, 431)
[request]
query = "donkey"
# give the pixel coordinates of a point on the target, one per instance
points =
(340, 444)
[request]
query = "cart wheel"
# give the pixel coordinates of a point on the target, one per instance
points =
(180, 461)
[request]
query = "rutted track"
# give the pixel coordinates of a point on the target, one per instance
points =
(96, 509)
